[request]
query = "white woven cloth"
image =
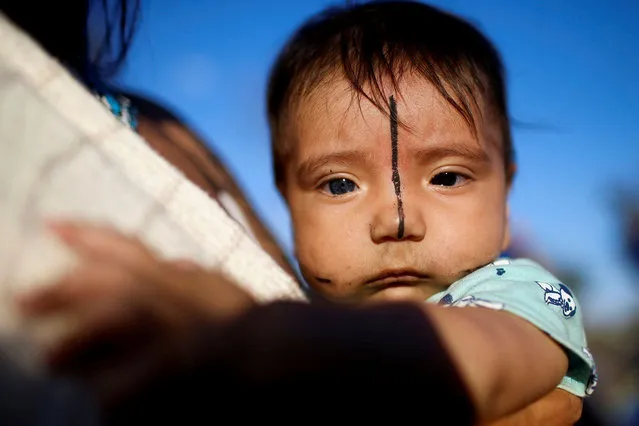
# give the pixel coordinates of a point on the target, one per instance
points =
(63, 155)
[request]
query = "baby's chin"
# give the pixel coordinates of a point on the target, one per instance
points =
(418, 293)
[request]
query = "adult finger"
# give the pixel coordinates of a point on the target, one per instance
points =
(97, 241)
(89, 282)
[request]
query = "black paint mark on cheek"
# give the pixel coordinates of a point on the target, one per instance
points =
(323, 280)
(395, 157)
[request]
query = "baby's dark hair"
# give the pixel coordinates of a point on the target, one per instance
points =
(370, 43)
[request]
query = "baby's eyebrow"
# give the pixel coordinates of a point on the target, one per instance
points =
(460, 150)
(311, 165)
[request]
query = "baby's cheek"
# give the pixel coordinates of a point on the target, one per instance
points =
(321, 230)
(319, 252)
(459, 243)
(328, 260)
(482, 244)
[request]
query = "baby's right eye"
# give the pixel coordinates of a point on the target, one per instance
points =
(339, 186)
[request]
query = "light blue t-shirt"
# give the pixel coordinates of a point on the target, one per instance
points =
(522, 287)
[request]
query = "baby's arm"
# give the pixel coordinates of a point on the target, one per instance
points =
(506, 362)
(558, 408)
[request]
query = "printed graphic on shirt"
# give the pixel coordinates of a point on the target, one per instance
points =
(499, 263)
(561, 297)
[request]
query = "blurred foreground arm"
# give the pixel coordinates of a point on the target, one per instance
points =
(159, 339)
(164, 339)
(280, 360)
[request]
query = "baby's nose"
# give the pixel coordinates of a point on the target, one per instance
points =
(396, 219)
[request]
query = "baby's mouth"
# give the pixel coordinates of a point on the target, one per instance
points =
(396, 278)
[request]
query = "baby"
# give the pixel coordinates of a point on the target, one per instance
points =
(392, 148)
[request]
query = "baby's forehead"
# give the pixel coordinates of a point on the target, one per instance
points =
(334, 113)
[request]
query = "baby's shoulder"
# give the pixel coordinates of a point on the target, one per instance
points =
(512, 283)
(526, 289)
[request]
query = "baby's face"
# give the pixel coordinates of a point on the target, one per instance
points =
(384, 217)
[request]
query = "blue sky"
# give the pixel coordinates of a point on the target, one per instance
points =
(573, 87)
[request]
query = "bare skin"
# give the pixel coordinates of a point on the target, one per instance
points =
(558, 408)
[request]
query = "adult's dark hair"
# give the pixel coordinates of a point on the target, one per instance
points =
(91, 37)
(370, 43)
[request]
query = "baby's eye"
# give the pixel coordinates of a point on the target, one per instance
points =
(448, 179)
(339, 186)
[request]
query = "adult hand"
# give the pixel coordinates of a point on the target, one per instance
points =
(131, 314)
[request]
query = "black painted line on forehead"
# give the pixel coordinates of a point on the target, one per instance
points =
(395, 155)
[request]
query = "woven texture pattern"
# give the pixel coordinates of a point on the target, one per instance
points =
(63, 155)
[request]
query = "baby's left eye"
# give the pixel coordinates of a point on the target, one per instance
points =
(448, 179)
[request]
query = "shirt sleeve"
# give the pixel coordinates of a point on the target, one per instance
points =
(525, 289)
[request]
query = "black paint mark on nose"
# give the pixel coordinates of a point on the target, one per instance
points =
(396, 180)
